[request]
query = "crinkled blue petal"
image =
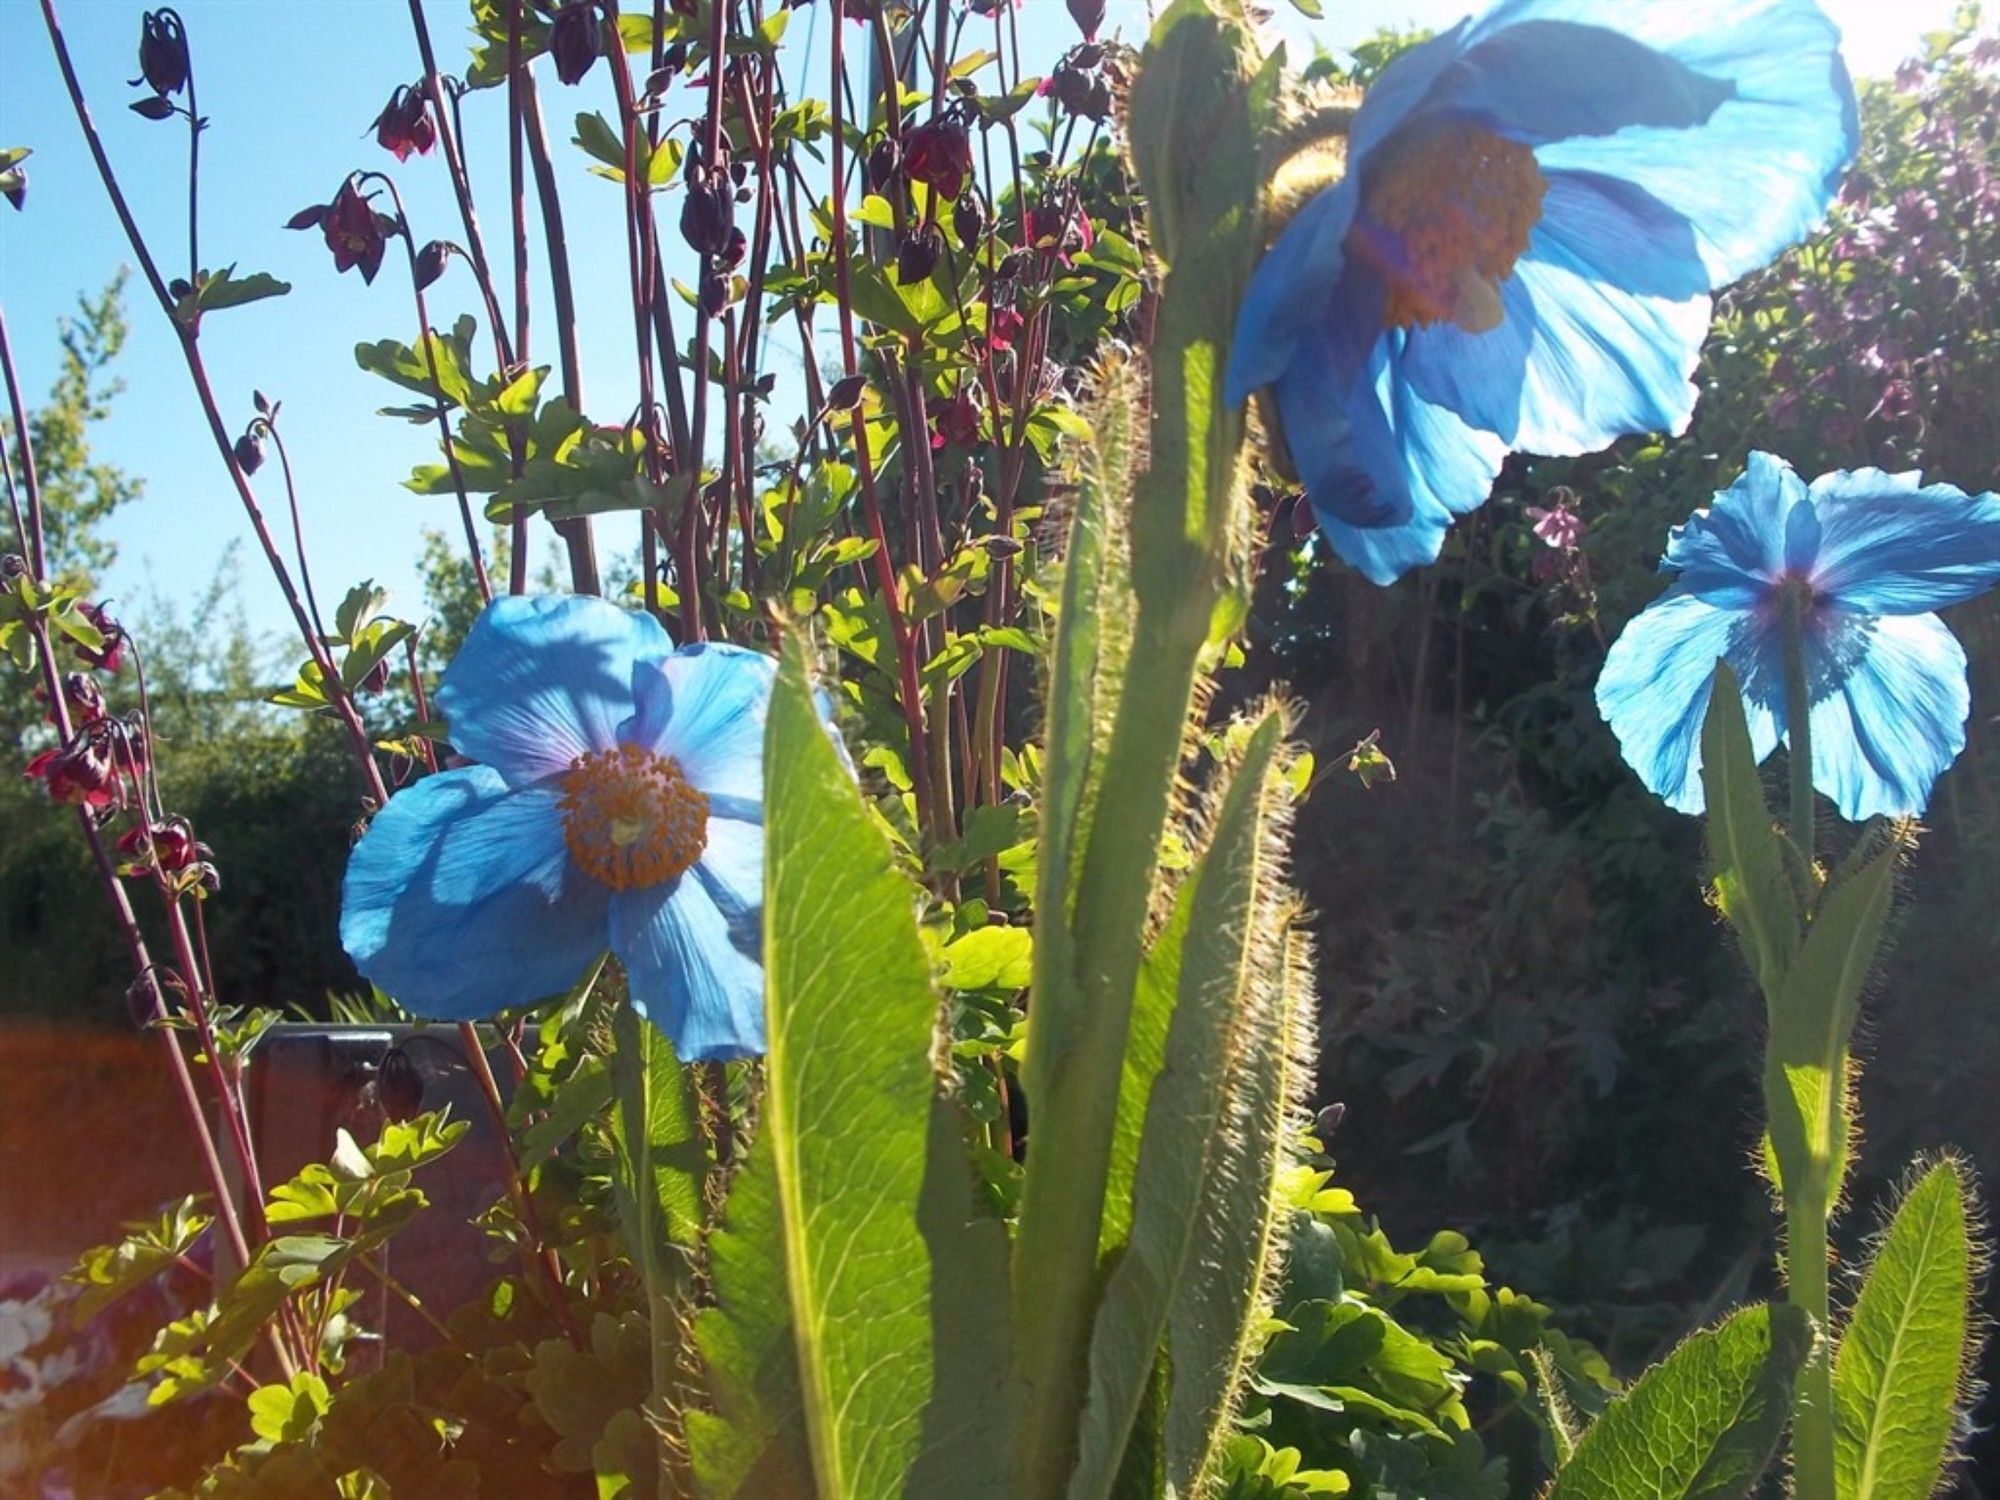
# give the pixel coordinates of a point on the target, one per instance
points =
(1732, 552)
(1896, 719)
(1539, 79)
(460, 900)
(1291, 289)
(705, 707)
(1387, 478)
(1656, 681)
(1603, 322)
(687, 974)
(732, 868)
(1758, 175)
(541, 680)
(1891, 545)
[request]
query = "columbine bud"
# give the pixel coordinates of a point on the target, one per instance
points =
(576, 38)
(939, 155)
(163, 53)
(111, 655)
(968, 220)
(707, 212)
(249, 451)
(84, 697)
(376, 680)
(733, 253)
(1088, 15)
(404, 126)
(884, 161)
(431, 261)
(714, 293)
(845, 393)
(399, 1087)
(918, 254)
(1081, 92)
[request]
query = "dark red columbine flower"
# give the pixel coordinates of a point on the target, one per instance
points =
(956, 421)
(1003, 326)
(1059, 232)
(111, 655)
(708, 211)
(404, 126)
(163, 53)
(576, 38)
(939, 155)
(170, 845)
(82, 772)
(355, 232)
(917, 254)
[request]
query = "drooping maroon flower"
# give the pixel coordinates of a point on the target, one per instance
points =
(917, 254)
(110, 656)
(168, 845)
(83, 772)
(1003, 326)
(163, 53)
(404, 126)
(355, 233)
(576, 40)
(955, 421)
(1059, 232)
(1557, 525)
(939, 155)
(708, 211)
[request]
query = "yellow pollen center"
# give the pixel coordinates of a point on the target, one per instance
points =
(630, 818)
(1443, 220)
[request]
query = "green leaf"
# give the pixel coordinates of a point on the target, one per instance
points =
(1703, 1423)
(847, 1155)
(989, 958)
(107, 1272)
(226, 289)
(1187, 1111)
(663, 1161)
(1813, 1013)
(288, 1413)
(1900, 1371)
(1745, 854)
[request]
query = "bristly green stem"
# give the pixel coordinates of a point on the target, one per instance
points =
(630, 1068)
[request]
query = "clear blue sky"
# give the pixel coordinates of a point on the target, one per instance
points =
(290, 88)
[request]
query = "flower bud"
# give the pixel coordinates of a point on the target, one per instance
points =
(84, 697)
(431, 261)
(733, 253)
(1088, 15)
(377, 679)
(714, 293)
(939, 155)
(14, 186)
(707, 213)
(918, 253)
(845, 393)
(576, 38)
(163, 53)
(153, 107)
(399, 1087)
(249, 451)
(968, 220)
(884, 161)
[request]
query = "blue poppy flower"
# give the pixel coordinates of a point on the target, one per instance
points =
(1536, 207)
(617, 803)
(1868, 555)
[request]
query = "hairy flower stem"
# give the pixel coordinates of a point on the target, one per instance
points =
(633, 1078)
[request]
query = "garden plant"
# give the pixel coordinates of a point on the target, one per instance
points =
(861, 873)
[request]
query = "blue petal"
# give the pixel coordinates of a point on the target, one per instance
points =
(688, 976)
(1732, 552)
(1757, 176)
(1603, 322)
(1541, 79)
(1655, 686)
(1889, 544)
(543, 680)
(1400, 90)
(732, 869)
(460, 900)
(705, 707)
(1386, 476)
(1897, 719)
(1290, 290)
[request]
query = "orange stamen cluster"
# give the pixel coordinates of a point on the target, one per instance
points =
(1449, 214)
(630, 818)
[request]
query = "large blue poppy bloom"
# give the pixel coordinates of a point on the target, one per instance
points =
(617, 803)
(1536, 207)
(1869, 555)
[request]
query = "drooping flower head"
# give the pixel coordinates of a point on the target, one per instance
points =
(1536, 206)
(355, 231)
(1864, 557)
(617, 802)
